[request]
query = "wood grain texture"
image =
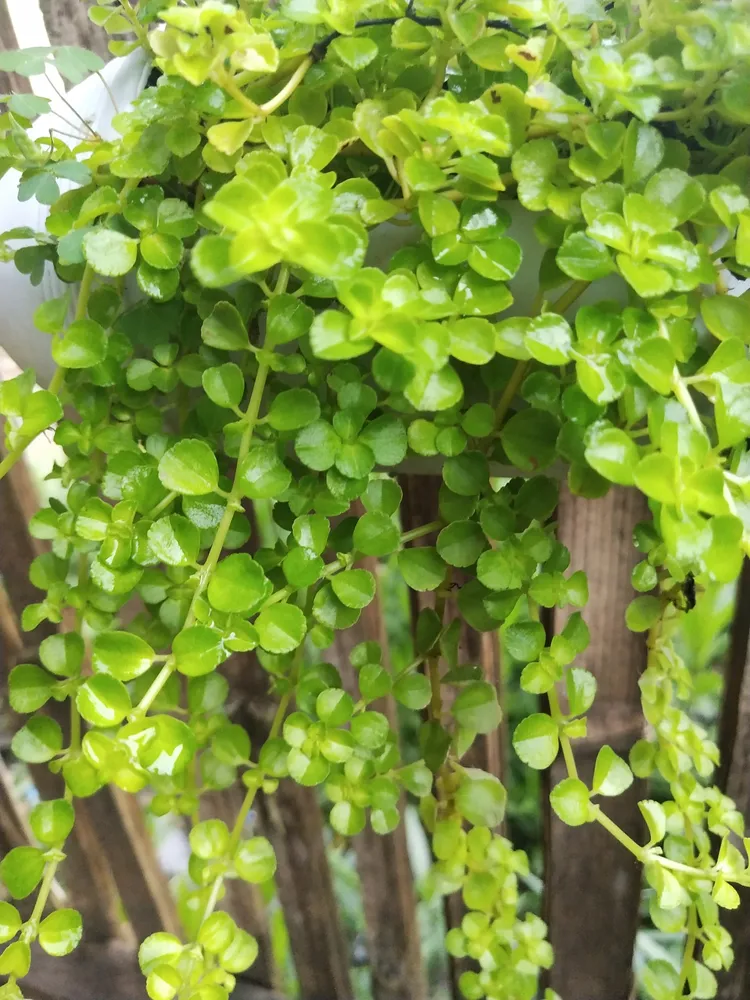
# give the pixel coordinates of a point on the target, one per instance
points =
(382, 861)
(735, 779)
(488, 752)
(592, 884)
(292, 820)
(10, 81)
(67, 23)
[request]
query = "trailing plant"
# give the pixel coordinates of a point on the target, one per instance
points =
(265, 359)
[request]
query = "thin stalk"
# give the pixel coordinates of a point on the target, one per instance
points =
(687, 955)
(567, 749)
(420, 532)
(618, 833)
(70, 107)
(288, 89)
(214, 554)
(140, 32)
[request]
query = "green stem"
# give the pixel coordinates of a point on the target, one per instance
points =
(687, 955)
(214, 554)
(288, 89)
(567, 749)
(425, 529)
(618, 833)
(140, 32)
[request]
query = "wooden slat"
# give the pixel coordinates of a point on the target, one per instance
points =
(241, 900)
(735, 779)
(67, 23)
(292, 819)
(109, 972)
(592, 909)
(383, 862)
(488, 752)
(10, 81)
(142, 885)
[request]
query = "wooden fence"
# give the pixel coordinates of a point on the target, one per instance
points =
(592, 885)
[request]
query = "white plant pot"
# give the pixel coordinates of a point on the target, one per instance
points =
(28, 347)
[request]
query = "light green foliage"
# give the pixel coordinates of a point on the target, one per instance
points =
(278, 354)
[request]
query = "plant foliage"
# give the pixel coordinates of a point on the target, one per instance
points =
(265, 357)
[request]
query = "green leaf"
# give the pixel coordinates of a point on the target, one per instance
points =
(109, 252)
(261, 473)
(656, 820)
(529, 439)
(61, 932)
(481, 798)
(370, 730)
(198, 650)
(466, 475)
(612, 776)
(583, 258)
(375, 534)
(536, 741)
(413, 691)
(121, 654)
(225, 329)
(62, 654)
(288, 319)
(21, 871)
(317, 445)
(281, 628)
(461, 543)
(103, 700)
(83, 345)
(255, 860)
(224, 385)
(52, 821)
(421, 567)
(674, 190)
(643, 612)
(38, 741)
(237, 584)
(189, 467)
(642, 152)
(174, 540)
(581, 689)
(612, 452)
(10, 920)
(727, 316)
(355, 588)
(356, 53)
(524, 640)
(293, 409)
(570, 801)
(549, 339)
(476, 707)
(29, 687)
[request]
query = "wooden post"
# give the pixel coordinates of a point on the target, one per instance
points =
(734, 779)
(383, 861)
(592, 884)
(67, 23)
(10, 82)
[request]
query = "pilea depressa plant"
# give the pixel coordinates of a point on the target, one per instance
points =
(288, 283)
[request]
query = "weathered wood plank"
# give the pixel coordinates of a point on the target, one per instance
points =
(593, 931)
(292, 820)
(734, 779)
(10, 81)
(142, 885)
(67, 23)
(383, 862)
